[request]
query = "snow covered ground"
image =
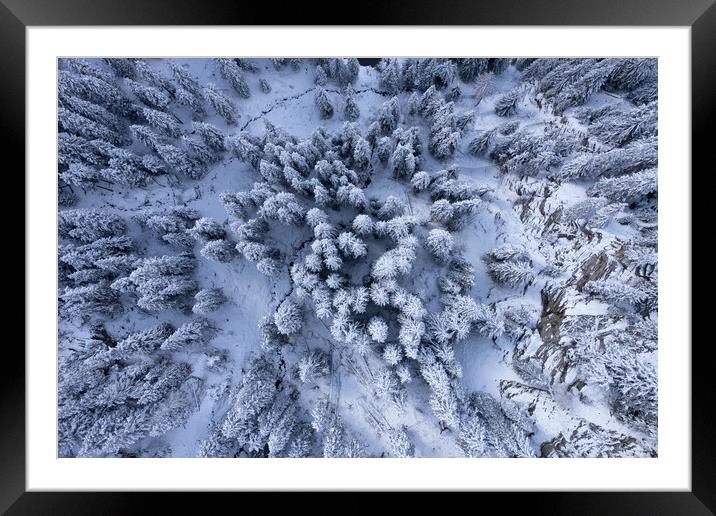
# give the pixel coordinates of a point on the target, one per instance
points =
(541, 347)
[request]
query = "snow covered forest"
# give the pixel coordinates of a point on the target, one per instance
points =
(357, 258)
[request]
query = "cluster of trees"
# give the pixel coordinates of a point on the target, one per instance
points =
(566, 83)
(598, 358)
(95, 252)
(398, 75)
(127, 122)
(122, 125)
(341, 71)
(113, 394)
(264, 419)
(523, 153)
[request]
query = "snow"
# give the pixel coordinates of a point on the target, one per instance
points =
(502, 218)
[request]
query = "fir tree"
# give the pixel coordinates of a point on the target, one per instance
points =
(363, 225)
(221, 104)
(125, 168)
(316, 216)
(288, 318)
(403, 161)
(93, 112)
(390, 76)
(444, 133)
(361, 154)
(181, 162)
(283, 207)
(210, 135)
(208, 300)
(145, 135)
(163, 282)
(312, 365)
(440, 244)
(351, 111)
(399, 444)
(152, 97)
(469, 69)
(218, 250)
(96, 90)
(507, 104)
(191, 334)
(615, 291)
(420, 181)
(80, 175)
(320, 78)
(632, 188)
(232, 73)
(164, 122)
(389, 116)
(384, 149)
(207, 229)
(122, 67)
(378, 329)
(323, 104)
(79, 125)
(155, 79)
(351, 246)
(82, 302)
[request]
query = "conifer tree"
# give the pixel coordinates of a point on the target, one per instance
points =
(390, 76)
(232, 73)
(191, 334)
(507, 104)
(288, 318)
(163, 122)
(208, 300)
(351, 111)
(181, 162)
(403, 161)
(312, 365)
(440, 244)
(221, 104)
(325, 108)
(219, 250)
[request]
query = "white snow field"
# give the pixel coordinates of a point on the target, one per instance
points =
(321, 258)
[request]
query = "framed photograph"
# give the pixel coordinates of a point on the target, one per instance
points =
(433, 250)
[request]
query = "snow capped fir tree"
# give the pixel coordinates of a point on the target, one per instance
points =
(221, 103)
(384, 149)
(507, 104)
(207, 229)
(363, 225)
(193, 333)
(351, 111)
(312, 365)
(232, 73)
(208, 300)
(390, 76)
(440, 244)
(378, 329)
(389, 116)
(218, 250)
(288, 317)
(403, 161)
(399, 444)
(325, 108)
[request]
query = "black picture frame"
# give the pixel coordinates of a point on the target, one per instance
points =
(700, 15)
